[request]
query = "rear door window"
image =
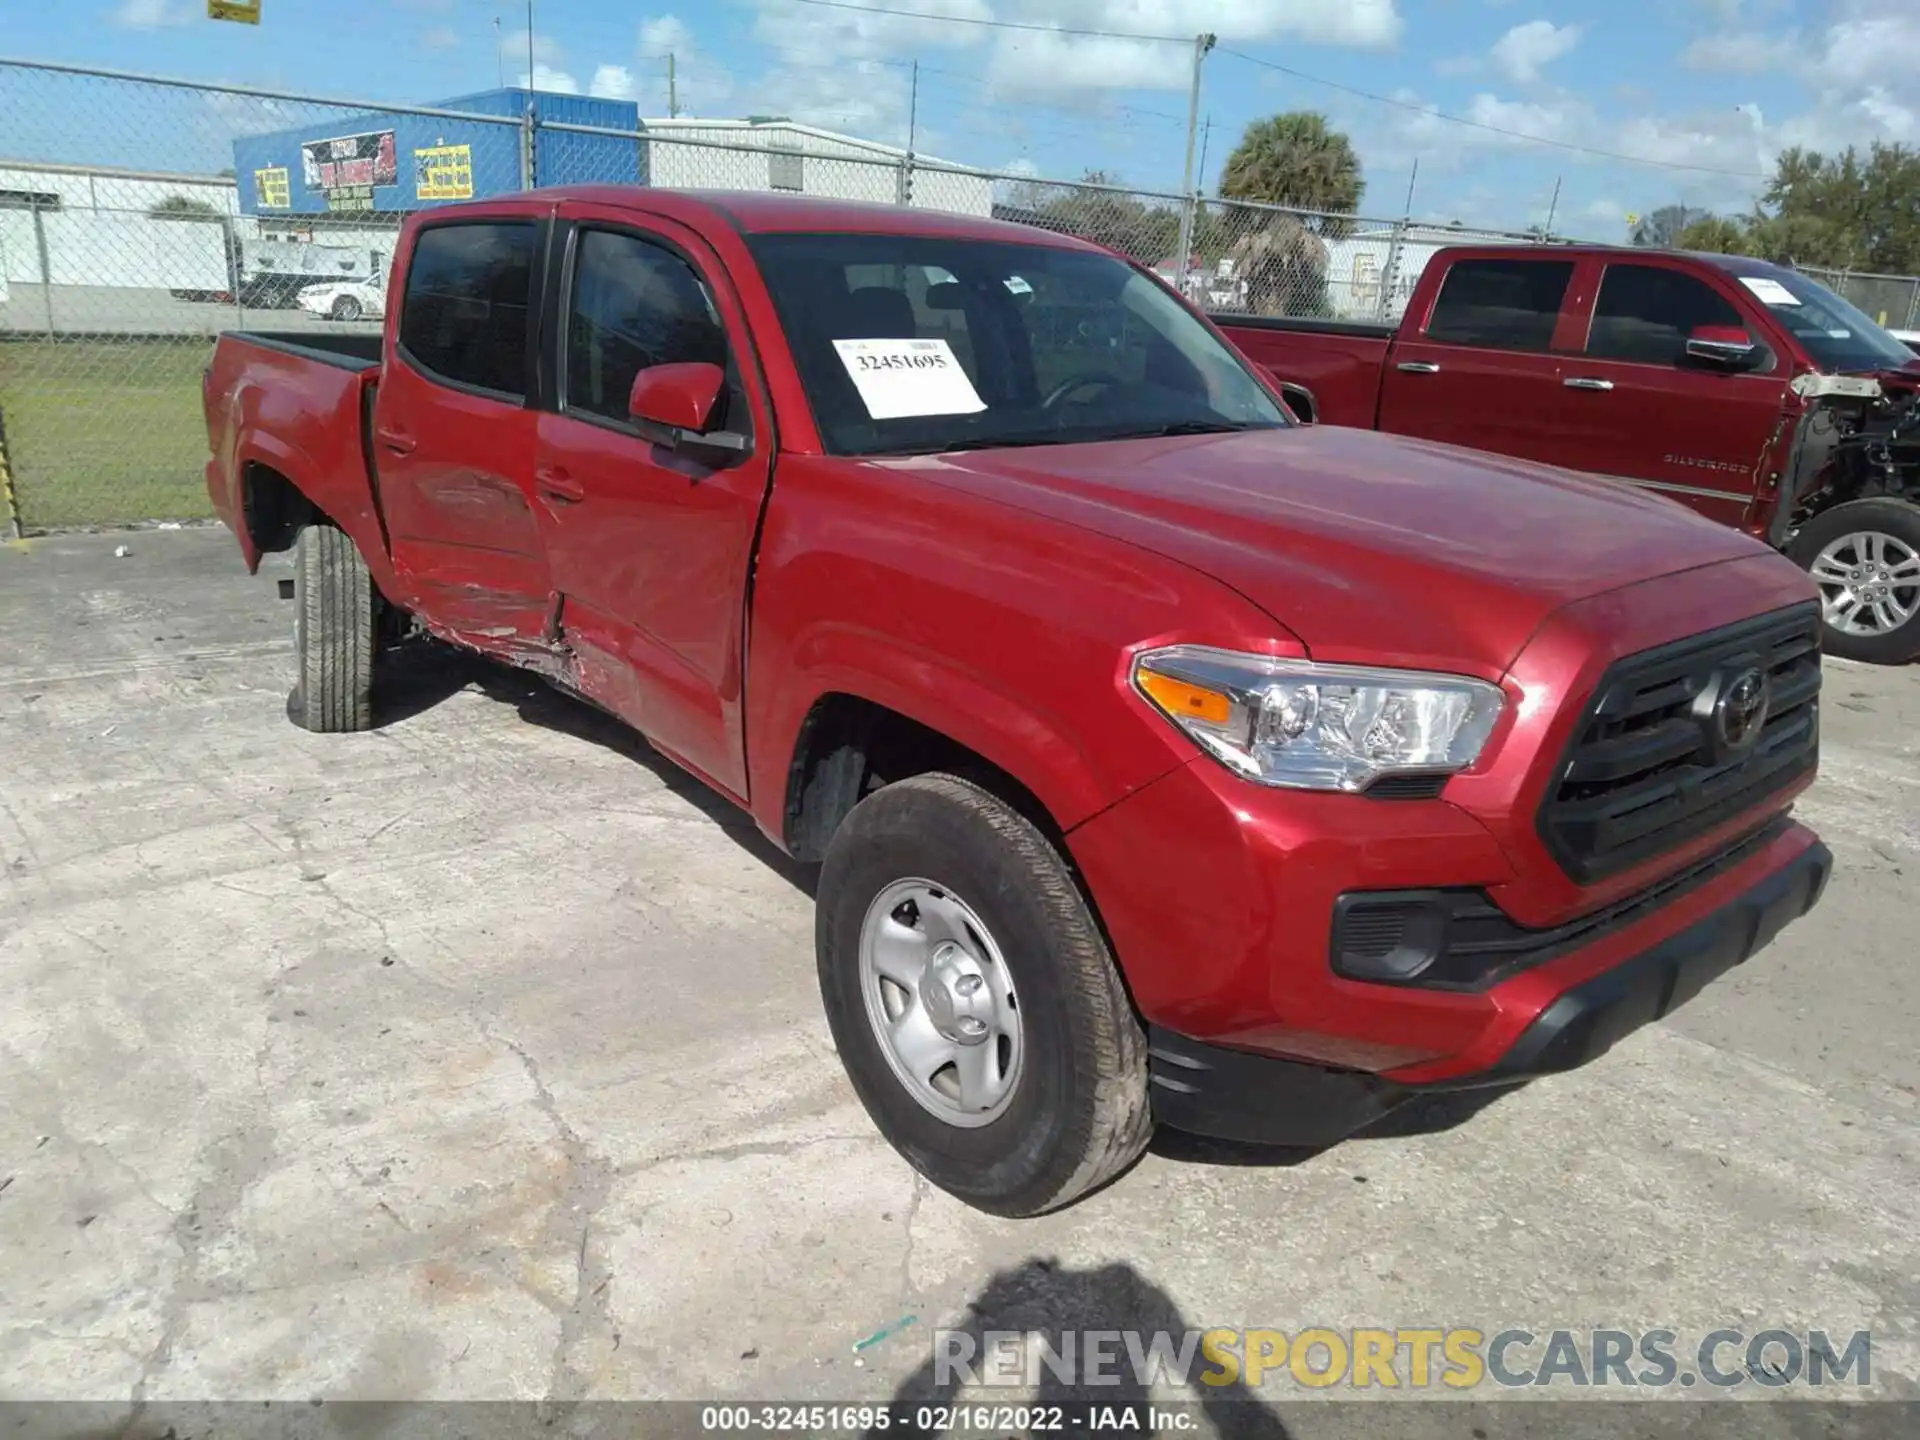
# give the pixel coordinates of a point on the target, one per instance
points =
(1501, 304)
(464, 318)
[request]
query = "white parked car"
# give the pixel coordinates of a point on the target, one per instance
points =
(345, 300)
(1908, 338)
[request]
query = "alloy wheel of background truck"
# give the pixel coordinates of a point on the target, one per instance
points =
(333, 633)
(1865, 557)
(973, 1000)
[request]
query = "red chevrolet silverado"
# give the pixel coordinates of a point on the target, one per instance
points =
(1164, 758)
(1744, 390)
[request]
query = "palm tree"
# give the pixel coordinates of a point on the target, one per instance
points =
(1296, 160)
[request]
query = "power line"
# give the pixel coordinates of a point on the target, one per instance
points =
(1481, 124)
(998, 24)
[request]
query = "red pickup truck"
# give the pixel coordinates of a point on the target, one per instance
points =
(1744, 390)
(1164, 758)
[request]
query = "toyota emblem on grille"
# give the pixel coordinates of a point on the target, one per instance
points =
(1741, 711)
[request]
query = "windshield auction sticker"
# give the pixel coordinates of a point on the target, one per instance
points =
(899, 378)
(1769, 290)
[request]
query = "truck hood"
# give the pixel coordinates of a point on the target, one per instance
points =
(1363, 546)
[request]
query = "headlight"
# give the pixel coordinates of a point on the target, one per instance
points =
(1302, 726)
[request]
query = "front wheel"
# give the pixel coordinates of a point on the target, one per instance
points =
(973, 1000)
(346, 308)
(1865, 557)
(333, 633)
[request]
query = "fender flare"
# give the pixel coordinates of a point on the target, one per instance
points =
(1038, 751)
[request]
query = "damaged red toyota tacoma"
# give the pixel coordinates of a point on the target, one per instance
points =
(1165, 759)
(1744, 390)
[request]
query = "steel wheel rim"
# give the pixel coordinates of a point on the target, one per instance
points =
(941, 1003)
(1869, 583)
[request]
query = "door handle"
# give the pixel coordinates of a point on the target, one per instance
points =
(1582, 382)
(556, 484)
(397, 441)
(1417, 367)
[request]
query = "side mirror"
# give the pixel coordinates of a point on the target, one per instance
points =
(1299, 401)
(1724, 345)
(672, 405)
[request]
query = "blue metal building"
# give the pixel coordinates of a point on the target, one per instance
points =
(388, 163)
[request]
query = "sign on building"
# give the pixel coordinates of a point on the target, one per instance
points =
(443, 172)
(347, 170)
(272, 188)
(245, 12)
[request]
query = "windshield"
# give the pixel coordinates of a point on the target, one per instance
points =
(914, 344)
(1836, 335)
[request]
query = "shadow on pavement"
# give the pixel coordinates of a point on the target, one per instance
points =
(416, 675)
(1045, 1301)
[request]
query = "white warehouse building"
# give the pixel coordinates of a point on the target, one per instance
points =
(800, 159)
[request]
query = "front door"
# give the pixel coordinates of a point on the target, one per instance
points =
(1482, 371)
(649, 548)
(453, 434)
(1645, 412)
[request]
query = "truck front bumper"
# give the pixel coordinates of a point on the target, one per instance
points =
(1223, 903)
(1240, 1095)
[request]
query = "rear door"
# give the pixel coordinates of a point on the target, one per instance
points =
(650, 549)
(454, 431)
(1480, 369)
(1638, 408)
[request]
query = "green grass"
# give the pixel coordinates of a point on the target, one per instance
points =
(105, 432)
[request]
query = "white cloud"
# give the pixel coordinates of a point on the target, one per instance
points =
(554, 82)
(701, 84)
(666, 34)
(441, 37)
(151, 14)
(1742, 52)
(1525, 50)
(613, 82)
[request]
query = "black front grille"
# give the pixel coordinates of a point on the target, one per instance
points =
(1650, 766)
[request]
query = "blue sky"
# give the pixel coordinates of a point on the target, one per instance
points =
(1700, 94)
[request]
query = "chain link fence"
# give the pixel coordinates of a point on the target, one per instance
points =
(141, 217)
(1893, 300)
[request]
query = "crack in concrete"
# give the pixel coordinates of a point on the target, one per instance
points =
(906, 1256)
(231, 1165)
(742, 1151)
(589, 1182)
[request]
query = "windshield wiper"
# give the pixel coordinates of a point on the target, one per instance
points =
(1192, 427)
(987, 442)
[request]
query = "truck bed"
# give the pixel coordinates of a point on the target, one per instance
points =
(347, 349)
(294, 403)
(1340, 361)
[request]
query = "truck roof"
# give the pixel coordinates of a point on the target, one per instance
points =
(1732, 264)
(758, 212)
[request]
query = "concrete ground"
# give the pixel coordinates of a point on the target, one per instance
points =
(480, 1057)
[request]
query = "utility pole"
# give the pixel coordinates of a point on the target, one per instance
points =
(673, 90)
(1553, 208)
(1201, 45)
(499, 54)
(913, 125)
(1390, 282)
(529, 137)
(1206, 134)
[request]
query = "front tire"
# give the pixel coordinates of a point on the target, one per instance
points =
(333, 634)
(973, 1000)
(346, 308)
(1865, 557)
